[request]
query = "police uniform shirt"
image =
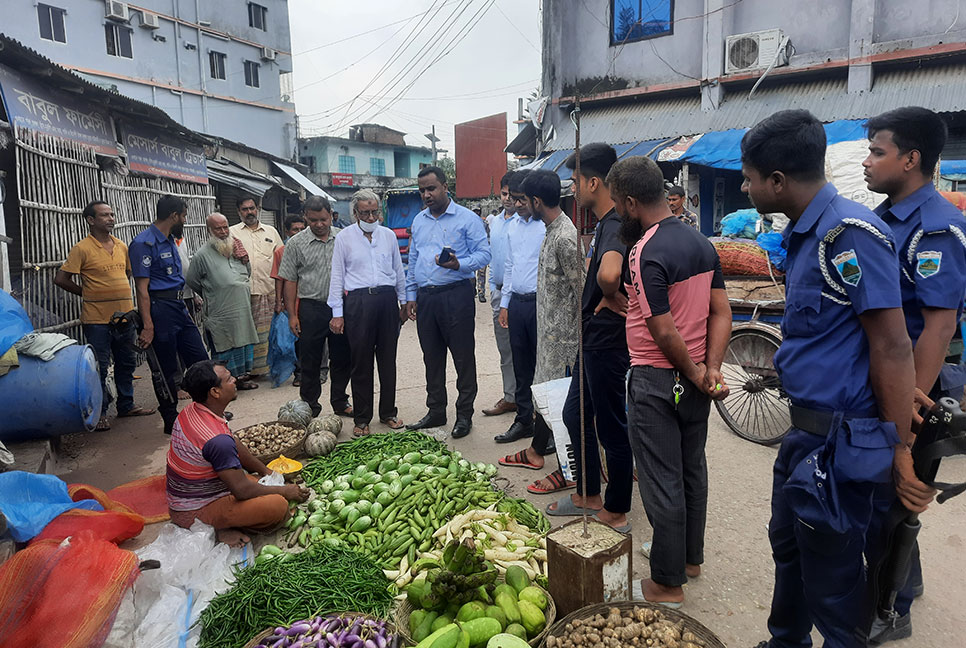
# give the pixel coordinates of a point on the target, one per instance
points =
(931, 237)
(823, 361)
(156, 257)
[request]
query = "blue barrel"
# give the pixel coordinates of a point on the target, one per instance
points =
(46, 399)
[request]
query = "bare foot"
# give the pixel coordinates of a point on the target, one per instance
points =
(183, 395)
(692, 571)
(592, 503)
(613, 519)
(657, 593)
(232, 537)
(534, 457)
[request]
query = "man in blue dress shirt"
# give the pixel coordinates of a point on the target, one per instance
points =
(846, 364)
(447, 247)
(904, 148)
(518, 305)
(159, 282)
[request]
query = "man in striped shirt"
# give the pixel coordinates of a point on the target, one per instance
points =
(208, 471)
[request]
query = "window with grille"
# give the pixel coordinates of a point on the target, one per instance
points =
(257, 16)
(118, 40)
(217, 62)
(251, 74)
(347, 164)
(52, 23)
(377, 166)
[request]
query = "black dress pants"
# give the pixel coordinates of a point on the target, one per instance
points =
(522, 320)
(446, 319)
(372, 329)
(314, 317)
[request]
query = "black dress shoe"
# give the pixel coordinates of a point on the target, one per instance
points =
(550, 449)
(516, 432)
(462, 428)
(429, 421)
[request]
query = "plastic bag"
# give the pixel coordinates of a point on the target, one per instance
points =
(771, 242)
(741, 224)
(281, 349)
(549, 398)
(30, 502)
(275, 479)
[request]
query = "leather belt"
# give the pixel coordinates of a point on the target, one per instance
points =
(372, 290)
(524, 297)
(820, 422)
(429, 290)
(166, 294)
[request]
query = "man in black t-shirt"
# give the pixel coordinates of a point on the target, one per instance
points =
(605, 358)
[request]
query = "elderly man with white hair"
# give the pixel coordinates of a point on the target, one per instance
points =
(367, 294)
(220, 272)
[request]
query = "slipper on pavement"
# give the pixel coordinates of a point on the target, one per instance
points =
(646, 548)
(566, 508)
(393, 423)
(103, 425)
(360, 431)
(519, 460)
(347, 411)
(621, 529)
(557, 480)
(246, 385)
(137, 411)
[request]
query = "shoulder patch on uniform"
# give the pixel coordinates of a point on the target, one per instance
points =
(927, 263)
(847, 263)
(146, 260)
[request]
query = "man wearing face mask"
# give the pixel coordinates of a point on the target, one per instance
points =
(159, 282)
(366, 291)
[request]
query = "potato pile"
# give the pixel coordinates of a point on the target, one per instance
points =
(268, 438)
(640, 627)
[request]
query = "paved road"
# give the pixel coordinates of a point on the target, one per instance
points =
(732, 596)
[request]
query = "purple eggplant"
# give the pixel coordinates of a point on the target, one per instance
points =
(298, 629)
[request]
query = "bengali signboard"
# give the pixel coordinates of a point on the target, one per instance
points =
(341, 179)
(151, 150)
(31, 104)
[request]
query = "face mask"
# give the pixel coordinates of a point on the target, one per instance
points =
(367, 227)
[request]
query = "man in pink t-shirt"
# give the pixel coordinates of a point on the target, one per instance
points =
(678, 327)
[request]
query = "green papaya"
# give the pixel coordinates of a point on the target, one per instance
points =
(517, 630)
(495, 612)
(503, 587)
(533, 619)
(470, 611)
(430, 641)
(535, 595)
(426, 627)
(415, 619)
(441, 621)
(517, 578)
(481, 629)
(509, 606)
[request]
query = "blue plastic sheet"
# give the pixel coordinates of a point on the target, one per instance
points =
(281, 350)
(30, 502)
(14, 323)
(740, 224)
(771, 242)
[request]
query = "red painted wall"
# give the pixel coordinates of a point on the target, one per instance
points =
(480, 158)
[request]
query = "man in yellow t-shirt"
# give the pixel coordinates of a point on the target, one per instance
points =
(102, 262)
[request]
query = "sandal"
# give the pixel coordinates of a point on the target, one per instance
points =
(557, 481)
(360, 431)
(246, 385)
(137, 411)
(394, 423)
(103, 425)
(348, 411)
(519, 460)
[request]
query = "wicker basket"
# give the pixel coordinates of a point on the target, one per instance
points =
(293, 451)
(389, 625)
(405, 608)
(709, 638)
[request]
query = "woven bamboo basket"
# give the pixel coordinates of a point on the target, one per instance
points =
(709, 638)
(390, 626)
(405, 608)
(293, 451)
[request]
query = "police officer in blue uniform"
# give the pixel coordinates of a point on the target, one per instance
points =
(904, 149)
(159, 281)
(847, 366)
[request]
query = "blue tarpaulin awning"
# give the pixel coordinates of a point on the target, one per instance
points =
(952, 167)
(555, 160)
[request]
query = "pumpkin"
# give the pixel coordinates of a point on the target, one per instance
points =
(319, 444)
(295, 411)
(317, 425)
(332, 423)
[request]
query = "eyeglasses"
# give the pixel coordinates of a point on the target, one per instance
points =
(374, 213)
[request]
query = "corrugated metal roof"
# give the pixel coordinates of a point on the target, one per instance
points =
(942, 89)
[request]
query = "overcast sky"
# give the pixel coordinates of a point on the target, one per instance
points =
(495, 61)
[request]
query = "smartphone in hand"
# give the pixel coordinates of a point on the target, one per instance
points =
(445, 255)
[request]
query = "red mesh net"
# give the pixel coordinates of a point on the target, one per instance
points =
(63, 594)
(742, 259)
(146, 497)
(112, 526)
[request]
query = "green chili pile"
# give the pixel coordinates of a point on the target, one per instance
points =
(279, 592)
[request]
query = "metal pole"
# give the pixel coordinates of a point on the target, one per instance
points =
(575, 116)
(434, 144)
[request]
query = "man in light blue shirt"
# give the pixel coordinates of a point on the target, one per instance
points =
(448, 245)
(518, 305)
(499, 227)
(366, 289)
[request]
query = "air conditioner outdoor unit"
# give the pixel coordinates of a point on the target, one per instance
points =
(117, 11)
(268, 54)
(755, 51)
(150, 20)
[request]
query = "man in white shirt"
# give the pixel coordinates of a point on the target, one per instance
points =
(367, 295)
(518, 305)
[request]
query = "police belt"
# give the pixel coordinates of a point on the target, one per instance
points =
(820, 422)
(166, 294)
(372, 290)
(428, 290)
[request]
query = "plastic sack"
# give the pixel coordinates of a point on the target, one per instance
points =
(274, 479)
(549, 399)
(281, 349)
(30, 502)
(63, 593)
(112, 526)
(147, 497)
(14, 323)
(771, 242)
(741, 224)
(166, 602)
